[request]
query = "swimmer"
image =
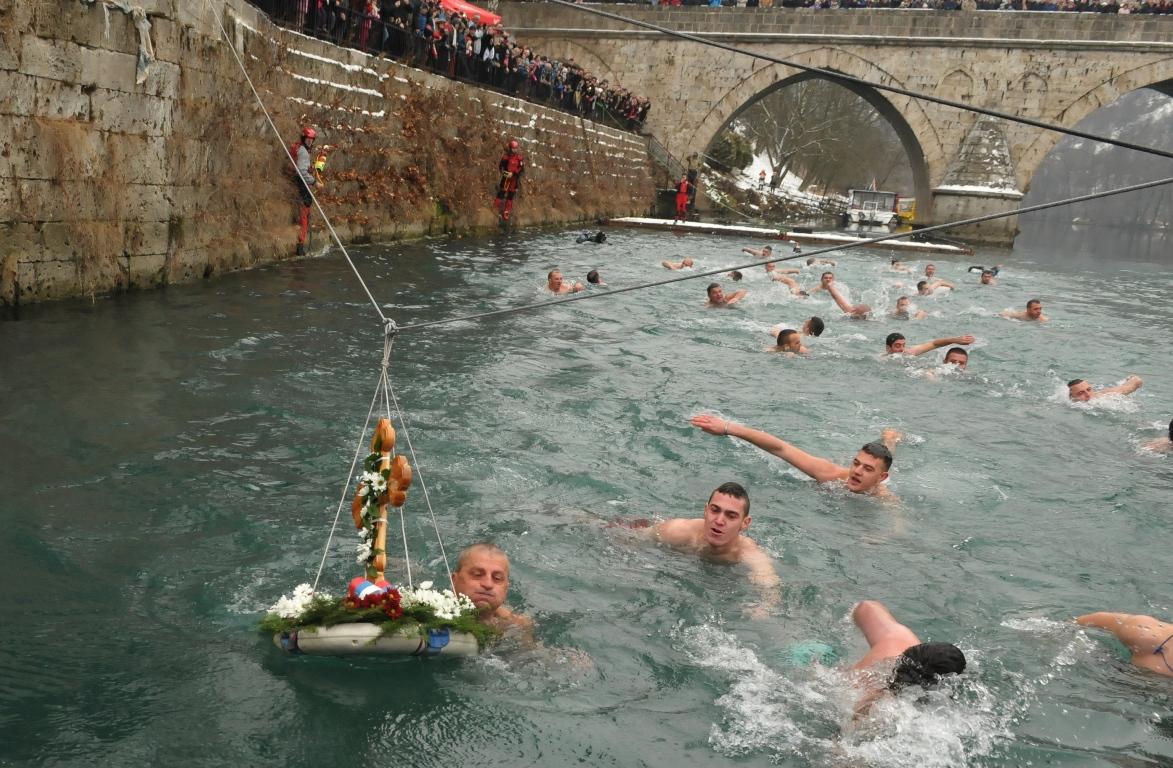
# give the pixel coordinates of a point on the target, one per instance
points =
(591, 237)
(904, 310)
(719, 535)
(854, 311)
(958, 357)
(930, 270)
(795, 247)
(685, 263)
(482, 575)
(1080, 391)
(735, 276)
(826, 280)
(717, 297)
(791, 283)
(891, 643)
(790, 341)
(994, 270)
(867, 473)
(767, 252)
(812, 326)
(1032, 313)
(926, 288)
(594, 279)
(812, 261)
(1162, 444)
(1147, 638)
(987, 278)
(555, 285)
(896, 344)
(898, 266)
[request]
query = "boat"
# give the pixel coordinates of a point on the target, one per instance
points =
(869, 206)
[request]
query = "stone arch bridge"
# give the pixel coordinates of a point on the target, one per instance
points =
(1053, 67)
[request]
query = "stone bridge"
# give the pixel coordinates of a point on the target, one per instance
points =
(1053, 67)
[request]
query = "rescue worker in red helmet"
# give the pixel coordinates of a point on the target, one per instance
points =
(305, 178)
(512, 165)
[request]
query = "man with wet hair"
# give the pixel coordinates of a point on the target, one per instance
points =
(1081, 391)
(719, 535)
(1033, 313)
(957, 356)
(898, 265)
(717, 297)
(482, 575)
(913, 662)
(735, 276)
(685, 263)
(867, 473)
(926, 287)
(987, 278)
(905, 311)
(812, 326)
(594, 279)
(896, 344)
(789, 341)
(555, 284)
(1147, 638)
(826, 280)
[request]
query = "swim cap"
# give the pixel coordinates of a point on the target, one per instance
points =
(925, 664)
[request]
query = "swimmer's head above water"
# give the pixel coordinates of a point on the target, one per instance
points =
(815, 326)
(925, 664)
(789, 340)
(869, 468)
(895, 343)
(957, 356)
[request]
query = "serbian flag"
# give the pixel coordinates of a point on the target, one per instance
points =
(460, 6)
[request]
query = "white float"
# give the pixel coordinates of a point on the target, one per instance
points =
(364, 639)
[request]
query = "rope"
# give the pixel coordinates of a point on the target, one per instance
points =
(423, 486)
(841, 78)
(346, 486)
(293, 163)
(385, 380)
(807, 254)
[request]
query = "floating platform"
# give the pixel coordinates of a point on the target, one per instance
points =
(763, 233)
(363, 639)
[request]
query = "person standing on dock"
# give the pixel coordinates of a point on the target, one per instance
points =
(682, 189)
(305, 178)
(512, 166)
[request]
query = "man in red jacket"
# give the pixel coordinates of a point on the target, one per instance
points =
(512, 165)
(682, 188)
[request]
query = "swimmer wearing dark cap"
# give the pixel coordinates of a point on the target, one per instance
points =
(913, 663)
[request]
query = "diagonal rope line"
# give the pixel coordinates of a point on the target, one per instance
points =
(293, 163)
(806, 254)
(388, 344)
(423, 485)
(346, 486)
(842, 78)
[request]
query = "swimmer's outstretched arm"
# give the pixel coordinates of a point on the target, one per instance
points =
(1140, 633)
(822, 470)
(737, 296)
(850, 309)
(929, 346)
(1126, 387)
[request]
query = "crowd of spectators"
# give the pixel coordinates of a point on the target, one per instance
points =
(1070, 6)
(461, 46)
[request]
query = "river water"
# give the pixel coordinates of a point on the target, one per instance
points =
(173, 461)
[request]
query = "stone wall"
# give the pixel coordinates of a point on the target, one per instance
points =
(106, 184)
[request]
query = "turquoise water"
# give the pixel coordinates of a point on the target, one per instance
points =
(173, 461)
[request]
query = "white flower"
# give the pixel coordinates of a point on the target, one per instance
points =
(364, 533)
(362, 552)
(290, 607)
(446, 605)
(425, 585)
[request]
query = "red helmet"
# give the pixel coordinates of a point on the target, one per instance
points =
(309, 133)
(513, 145)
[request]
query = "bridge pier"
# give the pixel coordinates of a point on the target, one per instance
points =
(956, 203)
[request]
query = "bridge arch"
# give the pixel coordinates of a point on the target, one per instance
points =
(1158, 75)
(906, 117)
